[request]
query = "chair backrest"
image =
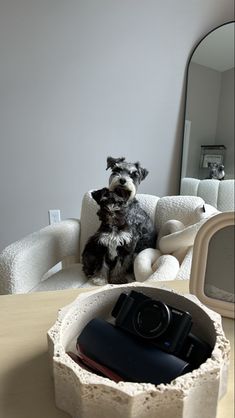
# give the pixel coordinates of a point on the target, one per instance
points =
(89, 219)
(219, 194)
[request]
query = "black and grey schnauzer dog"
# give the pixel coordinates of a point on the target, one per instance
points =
(216, 171)
(125, 178)
(108, 254)
(125, 228)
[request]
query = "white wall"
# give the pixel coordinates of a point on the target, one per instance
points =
(83, 79)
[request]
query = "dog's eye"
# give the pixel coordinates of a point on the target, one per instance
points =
(117, 170)
(134, 174)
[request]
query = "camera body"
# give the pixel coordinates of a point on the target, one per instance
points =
(150, 342)
(164, 326)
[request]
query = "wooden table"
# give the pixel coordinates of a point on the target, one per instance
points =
(26, 387)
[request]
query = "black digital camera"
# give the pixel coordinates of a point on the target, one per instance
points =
(150, 342)
(165, 326)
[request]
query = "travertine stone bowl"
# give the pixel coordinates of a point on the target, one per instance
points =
(86, 395)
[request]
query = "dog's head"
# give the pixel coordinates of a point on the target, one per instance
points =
(216, 171)
(125, 176)
(112, 206)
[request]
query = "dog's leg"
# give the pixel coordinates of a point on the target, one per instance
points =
(94, 265)
(120, 274)
(101, 277)
(99, 281)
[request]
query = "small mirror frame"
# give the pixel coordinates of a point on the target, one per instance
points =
(199, 263)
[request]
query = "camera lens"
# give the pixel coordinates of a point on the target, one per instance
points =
(151, 318)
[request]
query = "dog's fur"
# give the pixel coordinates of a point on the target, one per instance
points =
(125, 228)
(216, 171)
(125, 178)
(108, 254)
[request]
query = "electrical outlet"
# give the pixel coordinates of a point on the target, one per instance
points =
(54, 216)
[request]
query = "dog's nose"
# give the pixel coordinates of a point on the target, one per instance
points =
(122, 181)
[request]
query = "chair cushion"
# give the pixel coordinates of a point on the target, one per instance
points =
(70, 277)
(89, 220)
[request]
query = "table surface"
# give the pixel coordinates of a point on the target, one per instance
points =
(26, 387)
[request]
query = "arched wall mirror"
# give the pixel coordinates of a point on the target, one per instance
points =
(208, 142)
(208, 164)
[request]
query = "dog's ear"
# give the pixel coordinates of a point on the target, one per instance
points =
(111, 162)
(143, 172)
(98, 194)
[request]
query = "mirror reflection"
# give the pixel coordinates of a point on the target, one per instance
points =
(219, 276)
(208, 149)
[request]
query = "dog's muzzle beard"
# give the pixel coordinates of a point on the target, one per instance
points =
(119, 185)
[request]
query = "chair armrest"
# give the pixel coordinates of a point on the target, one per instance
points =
(23, 263)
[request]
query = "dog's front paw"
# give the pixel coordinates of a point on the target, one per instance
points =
(99, 281)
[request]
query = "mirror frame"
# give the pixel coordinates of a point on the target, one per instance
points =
(199, 263)
(186, 89)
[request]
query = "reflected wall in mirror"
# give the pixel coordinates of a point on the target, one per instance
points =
(209, 113)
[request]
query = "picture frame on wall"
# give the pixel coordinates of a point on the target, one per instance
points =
(211, 159)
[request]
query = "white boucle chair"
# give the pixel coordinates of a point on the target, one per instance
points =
(219, 194)
(24, 265)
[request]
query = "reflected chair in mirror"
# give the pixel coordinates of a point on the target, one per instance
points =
(219, 194)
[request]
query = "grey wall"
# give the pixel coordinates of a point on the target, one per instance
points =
(83, 79)
(202, 110)
(210, 108)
